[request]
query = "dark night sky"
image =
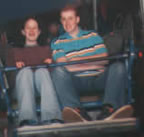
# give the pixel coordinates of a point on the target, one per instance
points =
(11, 9)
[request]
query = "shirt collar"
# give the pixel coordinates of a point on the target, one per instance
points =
(78, 35)
(30, 45)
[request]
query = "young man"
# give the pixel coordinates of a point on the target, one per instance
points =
(29, 81)
(77, 44)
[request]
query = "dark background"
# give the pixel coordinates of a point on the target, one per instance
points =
(13, 14)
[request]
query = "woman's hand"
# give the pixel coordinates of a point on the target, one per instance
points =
(20, 64)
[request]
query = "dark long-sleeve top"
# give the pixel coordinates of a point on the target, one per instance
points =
(29, 55)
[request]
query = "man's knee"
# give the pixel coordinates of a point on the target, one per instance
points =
(118, 67)
(59, 71)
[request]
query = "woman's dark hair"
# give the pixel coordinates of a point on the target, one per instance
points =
(31, 18)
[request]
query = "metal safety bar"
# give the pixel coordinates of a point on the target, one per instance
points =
(114, 57)
(124, 55)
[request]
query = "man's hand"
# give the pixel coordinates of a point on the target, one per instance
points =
(20, 64)
(62, 59)
(48, 61)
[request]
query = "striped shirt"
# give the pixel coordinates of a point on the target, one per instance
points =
(87, 43)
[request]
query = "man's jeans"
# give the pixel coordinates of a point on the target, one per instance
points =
(112, 81)
(29, 81)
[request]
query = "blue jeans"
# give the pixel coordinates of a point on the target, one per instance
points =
(27, 83)
(112, 81)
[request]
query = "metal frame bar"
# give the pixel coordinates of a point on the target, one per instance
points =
(125, 55)
(114, 57)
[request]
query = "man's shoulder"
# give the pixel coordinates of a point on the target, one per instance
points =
(91, 35)
(87, 32)
(60, 38)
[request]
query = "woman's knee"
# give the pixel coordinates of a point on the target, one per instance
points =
(25, 72)
(41, 71)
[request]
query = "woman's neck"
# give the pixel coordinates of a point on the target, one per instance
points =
(31, 43)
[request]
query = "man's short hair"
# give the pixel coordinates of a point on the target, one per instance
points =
(70, 7)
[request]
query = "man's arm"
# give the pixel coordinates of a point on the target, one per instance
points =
(89, 57)
(84, 66)
(88, 66)
(62, 59)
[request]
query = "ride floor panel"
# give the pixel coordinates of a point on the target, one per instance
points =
(89, 128)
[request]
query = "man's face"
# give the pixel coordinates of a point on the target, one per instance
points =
(70, 21)
(31, 30)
